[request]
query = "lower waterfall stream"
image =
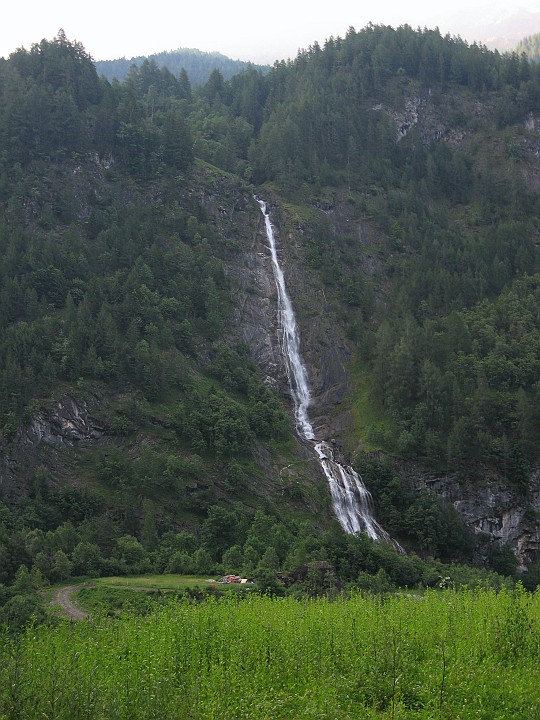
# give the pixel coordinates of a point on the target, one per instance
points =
(351, 499)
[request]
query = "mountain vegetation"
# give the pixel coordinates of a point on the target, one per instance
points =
(530, 45)
(126, 207)
(197, 64)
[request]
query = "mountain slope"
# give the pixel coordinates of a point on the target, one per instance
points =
(400, 172)
(198, 65)
(530, 45)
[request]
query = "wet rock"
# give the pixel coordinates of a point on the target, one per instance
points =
(255, 320)
(494, 513)
(68, 422)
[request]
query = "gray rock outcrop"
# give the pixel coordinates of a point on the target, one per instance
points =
(494, 513)
(64, 424)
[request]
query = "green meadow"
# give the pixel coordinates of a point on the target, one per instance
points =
(445, 654)
(158, 582)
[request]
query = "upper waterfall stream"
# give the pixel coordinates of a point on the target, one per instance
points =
(350, 498)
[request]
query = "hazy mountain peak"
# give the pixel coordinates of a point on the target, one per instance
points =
(498, 25)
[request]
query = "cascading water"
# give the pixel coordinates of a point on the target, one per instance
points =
(296, 372)
(350, 498)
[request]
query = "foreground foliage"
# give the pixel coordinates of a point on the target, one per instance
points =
(467, 654)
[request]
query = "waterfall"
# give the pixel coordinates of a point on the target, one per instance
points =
(351, 499)
(296, 372)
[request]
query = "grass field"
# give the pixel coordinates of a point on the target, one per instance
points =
(157, 582)
(142, 593)
(459, 655)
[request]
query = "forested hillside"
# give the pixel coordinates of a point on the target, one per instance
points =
(530, 46)
(453, 193)
(198, 65)
(137, 431)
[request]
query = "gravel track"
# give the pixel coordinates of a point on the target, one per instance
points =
(64, 599)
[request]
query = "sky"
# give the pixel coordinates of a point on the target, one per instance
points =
(260, 32)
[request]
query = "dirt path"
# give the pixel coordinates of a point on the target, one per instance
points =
(63, 598)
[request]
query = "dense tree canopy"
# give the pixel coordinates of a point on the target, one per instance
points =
(112, 273)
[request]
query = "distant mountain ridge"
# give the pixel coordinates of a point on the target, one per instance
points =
(530, 46)
(198, 65)
(496, 25)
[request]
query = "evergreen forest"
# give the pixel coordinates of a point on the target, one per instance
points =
(530, 46)
(138, 432)
(198, 65)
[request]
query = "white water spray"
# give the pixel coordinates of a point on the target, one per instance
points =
(350, 498)
(296, 372)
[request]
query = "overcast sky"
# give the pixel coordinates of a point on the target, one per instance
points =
(257, 31)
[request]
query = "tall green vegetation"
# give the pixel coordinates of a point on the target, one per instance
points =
(448, 654)
(117, 283)
(113, 286)
(320, 117)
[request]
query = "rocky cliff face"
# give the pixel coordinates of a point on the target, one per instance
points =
(455, 121)
(256, 320)
(68, 422)
(494, 512)
(61, 425)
